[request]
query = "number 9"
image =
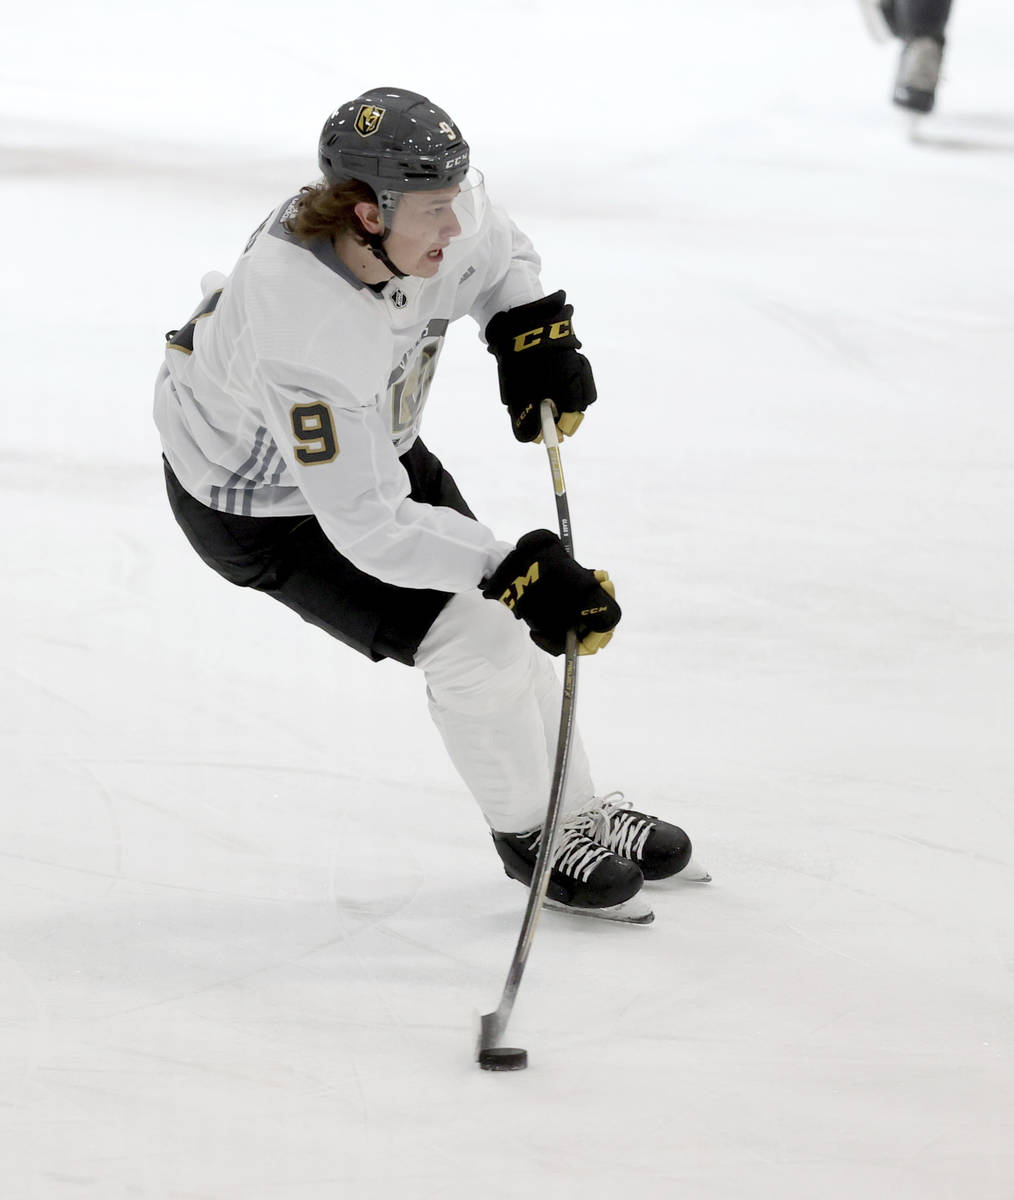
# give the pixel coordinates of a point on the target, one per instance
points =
(312, 424)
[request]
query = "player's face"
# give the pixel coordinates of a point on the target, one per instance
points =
(424, 223)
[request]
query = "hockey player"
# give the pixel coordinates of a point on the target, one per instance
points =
(920, 25)
(289, 408)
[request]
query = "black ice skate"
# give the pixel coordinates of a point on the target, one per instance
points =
(584, 875)
(661, 850)
(918, 74)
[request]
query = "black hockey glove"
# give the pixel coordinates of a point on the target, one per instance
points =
(545, 587)
(537, 357)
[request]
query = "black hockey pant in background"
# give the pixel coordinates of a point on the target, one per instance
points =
(918, 18)
(292, 560)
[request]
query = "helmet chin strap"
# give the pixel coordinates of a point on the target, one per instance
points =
(375, 241)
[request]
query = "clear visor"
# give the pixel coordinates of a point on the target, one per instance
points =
(448, 213)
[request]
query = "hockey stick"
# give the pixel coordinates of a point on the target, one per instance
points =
(489, 1053)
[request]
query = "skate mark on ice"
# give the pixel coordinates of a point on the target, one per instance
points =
(926, 844)
(273, 1054)
(193, 822)
(817, 333)
(44, 688)
(184, 888)
(230, 980)
(934, 135)
(103, 843)
(395, 935)
(820, 944)
(33, 1028)
(785, 864)
(253, 767)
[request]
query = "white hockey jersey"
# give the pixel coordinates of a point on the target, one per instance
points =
(295, 389)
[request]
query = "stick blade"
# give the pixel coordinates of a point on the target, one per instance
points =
(490, 1029)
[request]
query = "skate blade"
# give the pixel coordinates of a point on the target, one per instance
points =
(912, 125)
(693, 872)
(631, 912)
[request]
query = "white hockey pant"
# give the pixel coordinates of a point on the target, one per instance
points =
(495, 698)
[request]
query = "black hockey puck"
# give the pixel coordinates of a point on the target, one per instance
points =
(503, 1058)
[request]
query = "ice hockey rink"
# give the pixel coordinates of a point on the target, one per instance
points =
(248, 912)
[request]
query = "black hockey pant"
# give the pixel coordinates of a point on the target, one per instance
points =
(292, 560)
(918, 18)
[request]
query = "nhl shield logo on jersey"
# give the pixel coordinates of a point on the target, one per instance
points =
(368, 119)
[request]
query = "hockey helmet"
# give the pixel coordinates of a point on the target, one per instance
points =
(393, 140)
(397, 141)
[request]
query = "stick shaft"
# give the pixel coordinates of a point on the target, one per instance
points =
(559, 488)
(493, 1024)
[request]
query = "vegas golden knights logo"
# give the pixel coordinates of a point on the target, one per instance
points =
(368, 119)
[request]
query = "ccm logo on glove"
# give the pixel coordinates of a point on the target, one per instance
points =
(516, 590)
(544, 587)
(537, 359)
(525, 341)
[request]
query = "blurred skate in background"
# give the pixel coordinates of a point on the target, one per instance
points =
(920, 26)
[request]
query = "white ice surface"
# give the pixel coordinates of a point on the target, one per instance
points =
(247, 910)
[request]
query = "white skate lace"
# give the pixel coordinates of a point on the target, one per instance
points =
(624, 832)
(597, 832)
(576, 853)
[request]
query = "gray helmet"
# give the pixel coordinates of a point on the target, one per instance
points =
(395, 141)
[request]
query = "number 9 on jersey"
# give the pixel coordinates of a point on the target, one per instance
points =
(313, 426)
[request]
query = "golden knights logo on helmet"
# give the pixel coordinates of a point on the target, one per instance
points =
(368, 119)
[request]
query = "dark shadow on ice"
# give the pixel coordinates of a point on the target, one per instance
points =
(974, 133)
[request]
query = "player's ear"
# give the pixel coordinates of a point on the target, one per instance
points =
(369, 217)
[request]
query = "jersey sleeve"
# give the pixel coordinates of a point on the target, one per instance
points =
(348, 471)
(511, 277)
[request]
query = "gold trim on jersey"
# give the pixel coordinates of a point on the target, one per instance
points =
(183, 339)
